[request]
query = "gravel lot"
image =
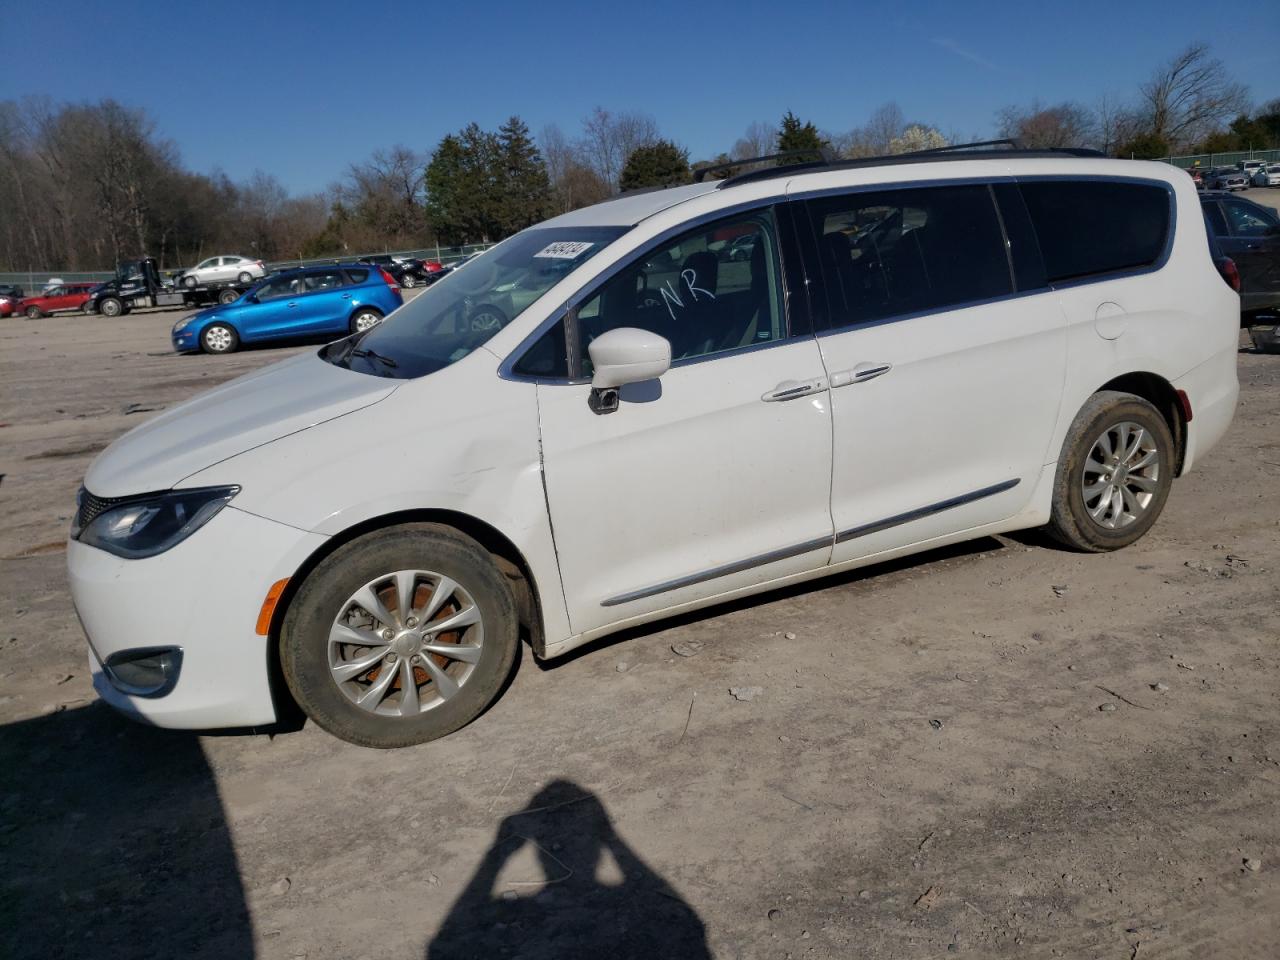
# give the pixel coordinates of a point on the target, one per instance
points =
(1002, 749)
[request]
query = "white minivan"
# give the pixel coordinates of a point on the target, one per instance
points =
(609, 418)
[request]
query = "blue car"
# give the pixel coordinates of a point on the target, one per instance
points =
(310, 302)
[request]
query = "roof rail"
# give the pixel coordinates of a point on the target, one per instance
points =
(824, 155)
(981, 149)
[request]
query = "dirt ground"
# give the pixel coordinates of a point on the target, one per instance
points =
(1002, 749)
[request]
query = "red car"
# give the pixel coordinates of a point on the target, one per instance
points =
(1197, 176)
(66, 296)
(9, 297)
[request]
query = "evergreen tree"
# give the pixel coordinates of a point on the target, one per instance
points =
(794, 135)
(524, 189)
(658, 164)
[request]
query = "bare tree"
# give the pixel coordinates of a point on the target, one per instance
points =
(1190, 96)
(1064, 124)
(886, 125)
(609, 138)
(759, 140)
(574, 183)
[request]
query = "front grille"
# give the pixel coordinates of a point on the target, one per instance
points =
(91, 506)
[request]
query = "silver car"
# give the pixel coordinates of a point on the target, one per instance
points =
(1226, 178)
(229, 269)
(1267, 175)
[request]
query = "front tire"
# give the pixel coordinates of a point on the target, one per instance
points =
(110, 307)
(219, 338)
(189, 282)
(376, 669)
(34, 313)
(1114, 473)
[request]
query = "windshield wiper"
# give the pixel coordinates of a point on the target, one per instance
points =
(363, 352)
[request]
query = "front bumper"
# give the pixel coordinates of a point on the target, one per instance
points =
(203, 596)
(186, 341)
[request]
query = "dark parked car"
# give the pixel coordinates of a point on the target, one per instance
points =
(1226, 178)
(408, 271)
(1249, 234)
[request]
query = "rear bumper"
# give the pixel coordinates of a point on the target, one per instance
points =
(1213, 388)
(203, 597)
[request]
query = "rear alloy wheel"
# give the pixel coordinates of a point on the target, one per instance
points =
(364, 319)
(421, 645)
(219, 338)
(408, 282)
(245, 276)
(1114, 474)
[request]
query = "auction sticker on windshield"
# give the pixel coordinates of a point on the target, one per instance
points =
(565, 249)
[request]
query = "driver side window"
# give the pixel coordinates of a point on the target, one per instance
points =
(710, 291)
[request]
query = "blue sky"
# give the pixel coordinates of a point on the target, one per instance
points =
(301, 90)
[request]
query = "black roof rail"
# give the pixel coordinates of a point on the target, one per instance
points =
(824, 155)
(978, 150)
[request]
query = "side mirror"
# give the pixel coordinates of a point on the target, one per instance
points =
(622, 356)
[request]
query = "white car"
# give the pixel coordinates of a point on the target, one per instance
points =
(1267, 176)
(917, 351)
(231, 269)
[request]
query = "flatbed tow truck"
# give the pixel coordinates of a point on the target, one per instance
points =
(138, 283)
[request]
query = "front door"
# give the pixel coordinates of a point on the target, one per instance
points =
(944, 387)
(715, 476)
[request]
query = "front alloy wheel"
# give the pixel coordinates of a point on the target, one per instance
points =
(423, 642)
(405, 643)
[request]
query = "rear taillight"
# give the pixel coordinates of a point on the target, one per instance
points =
(390, 281)
(1227, 267)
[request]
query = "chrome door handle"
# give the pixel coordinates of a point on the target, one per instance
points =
(793, 390)
(860, 374)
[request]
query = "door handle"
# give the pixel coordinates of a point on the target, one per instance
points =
(346, 296)
(292, 305)
(860, 374)
(793, 390)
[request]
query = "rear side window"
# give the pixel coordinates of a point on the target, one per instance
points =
(899, 252)
(358, 276)
(1092, 227)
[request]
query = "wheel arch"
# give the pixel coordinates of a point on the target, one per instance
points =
(508, 557)
(1160, 393)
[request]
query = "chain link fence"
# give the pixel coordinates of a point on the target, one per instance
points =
(34, 280)
(1206, 160)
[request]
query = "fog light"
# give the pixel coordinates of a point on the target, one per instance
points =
(145, 671)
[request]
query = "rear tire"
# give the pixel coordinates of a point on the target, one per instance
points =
(1114, 473)
(245, 276)
(408, 281)
(364, 318)
(419, 701)
(219, 338)
(228, 296)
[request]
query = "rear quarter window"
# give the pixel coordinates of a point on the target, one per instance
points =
(358, 276)
(1091, 227)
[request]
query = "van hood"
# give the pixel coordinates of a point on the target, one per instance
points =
(237, 416)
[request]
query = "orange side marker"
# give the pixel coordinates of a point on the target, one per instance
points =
(269, 606)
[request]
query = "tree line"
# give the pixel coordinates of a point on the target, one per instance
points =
(83, 186)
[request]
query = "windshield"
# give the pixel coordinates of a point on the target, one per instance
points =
(464, 309)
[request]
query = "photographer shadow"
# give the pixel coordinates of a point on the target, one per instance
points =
(596, 898)
(114, 844)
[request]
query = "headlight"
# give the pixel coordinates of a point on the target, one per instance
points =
(146, 525)
(182, 324)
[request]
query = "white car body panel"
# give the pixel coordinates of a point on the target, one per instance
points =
(704, 491)
(233, 417)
